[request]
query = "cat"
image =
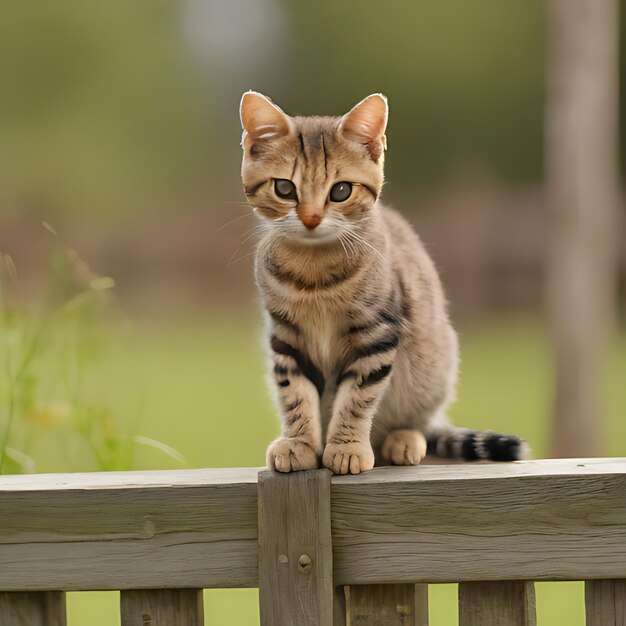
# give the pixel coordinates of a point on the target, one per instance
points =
(364, 358)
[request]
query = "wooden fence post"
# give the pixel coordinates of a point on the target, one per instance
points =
(605, 602)
(295, 549)
(162, 607)
(421, 605)
(42, 608)
(340, 607)
(388, 605)
(507, 603)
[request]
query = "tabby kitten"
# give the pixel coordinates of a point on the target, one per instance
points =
(364, 358)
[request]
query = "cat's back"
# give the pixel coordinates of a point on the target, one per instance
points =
(406, 247)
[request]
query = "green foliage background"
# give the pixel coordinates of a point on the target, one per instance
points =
(104, 111)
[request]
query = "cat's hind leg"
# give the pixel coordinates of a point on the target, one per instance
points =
(404, 447)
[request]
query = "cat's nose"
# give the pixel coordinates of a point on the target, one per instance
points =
(309, 217)
(311, 221)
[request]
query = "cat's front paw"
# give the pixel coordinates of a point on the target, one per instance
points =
(291, 455)
(344, 458)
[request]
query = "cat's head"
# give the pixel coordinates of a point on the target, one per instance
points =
(313, 178)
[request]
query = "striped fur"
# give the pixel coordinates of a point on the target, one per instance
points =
(476, 445)
(363, 357)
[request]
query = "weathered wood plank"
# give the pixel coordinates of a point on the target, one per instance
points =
(162, 607)
(340, 609)
(44, 608)
(135, 530)
(605, 602)
(421, 605)
(549, 468)
(91, 481)
(295, 549)
(560, 520)
(510, 603)
(382, 605)
(541, 520)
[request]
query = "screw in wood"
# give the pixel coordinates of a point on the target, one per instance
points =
(305, 564)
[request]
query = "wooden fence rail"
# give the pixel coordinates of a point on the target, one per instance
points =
(355, 550)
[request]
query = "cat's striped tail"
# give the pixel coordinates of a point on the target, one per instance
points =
(464, 444)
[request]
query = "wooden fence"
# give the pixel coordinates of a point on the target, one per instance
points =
(323, 550)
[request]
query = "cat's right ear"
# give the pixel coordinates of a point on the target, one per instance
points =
(366, 124)
(261, 119)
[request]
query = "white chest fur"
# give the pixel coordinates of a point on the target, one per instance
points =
(320, 334)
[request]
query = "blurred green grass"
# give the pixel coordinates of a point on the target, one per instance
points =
(201, 386)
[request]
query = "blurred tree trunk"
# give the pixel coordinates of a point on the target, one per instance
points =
(582, 192)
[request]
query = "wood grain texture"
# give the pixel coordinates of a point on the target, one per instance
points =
(340, 608)
(130, 530)
(382, 605)
(162, 607)
(45, 608)
(510, 603)
(94, 481)
(421, 605)
(538, 520)
(295, 550)
(605, 602)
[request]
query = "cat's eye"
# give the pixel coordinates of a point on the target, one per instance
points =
(285, 189)
(340, 192)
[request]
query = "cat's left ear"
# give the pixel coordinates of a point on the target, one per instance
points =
(366, 124)
(261, 118)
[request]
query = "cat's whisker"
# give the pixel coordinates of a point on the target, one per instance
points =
(349, 244)
(250, 233)
(363, 241)
(233, 255)
(236, 219)
(256, 230)
(353, 247)
(343, 245)
(233, 260)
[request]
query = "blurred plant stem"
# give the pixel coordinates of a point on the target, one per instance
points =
(48, 347)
